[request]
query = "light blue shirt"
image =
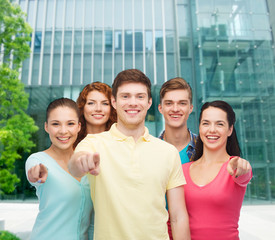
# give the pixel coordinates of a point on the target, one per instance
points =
(65, 205)
(183, 155)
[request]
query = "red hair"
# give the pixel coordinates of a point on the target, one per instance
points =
(81, 101)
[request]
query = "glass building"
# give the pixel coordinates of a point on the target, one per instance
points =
(223, 48)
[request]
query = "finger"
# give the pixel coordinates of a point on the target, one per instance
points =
(232, 165)
(33, 173)
(96, 160)
(43, 173)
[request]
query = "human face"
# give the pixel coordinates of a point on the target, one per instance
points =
(176, 108)
(214, 128)
(97, 109)
(62, 126)
(131, 103)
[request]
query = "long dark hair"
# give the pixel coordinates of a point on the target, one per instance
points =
(232, 145)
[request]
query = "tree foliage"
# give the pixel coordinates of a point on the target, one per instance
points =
(16, 127)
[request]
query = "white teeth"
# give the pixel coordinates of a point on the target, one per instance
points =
(175, 116)
(98, 115)
(63, 138)
(212, 138)
(132, 111)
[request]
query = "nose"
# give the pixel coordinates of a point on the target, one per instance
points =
(132, 100)
(63, 129)
(212, 128)
(98, 107)
(175, 107)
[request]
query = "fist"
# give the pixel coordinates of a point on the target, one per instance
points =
(238, 166)
(38, 173)
(89, 163)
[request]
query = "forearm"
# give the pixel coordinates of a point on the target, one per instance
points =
(180, 228)
(74, 165)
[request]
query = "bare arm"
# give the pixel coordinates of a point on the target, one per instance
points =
(178, 214)
(84, 162)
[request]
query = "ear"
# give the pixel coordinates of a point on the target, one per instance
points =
(230, 131)
(113, 101)
(46, 127)
(160, 108)
(191, 108)
(149, 103)
(79, 126)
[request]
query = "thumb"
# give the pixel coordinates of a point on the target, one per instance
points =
(96, 159)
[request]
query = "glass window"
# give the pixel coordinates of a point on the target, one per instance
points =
(169, 15)
(59, 14)
(149, 63)
(66, 71)
(118, 14)
(128, 14)
(159, 41)
(37, 41)
(108, 13)
(108, 41)
(128, 41)
(158, 14)
(98, 41)
(87, 65)
(139, 61)
(47, 42)
(108, 68)
(118, 63)
(88, 22)
(98, 14)
(77, 41)
(78, 14)
(118, 40)
(128, 60)
(35, 69)
(25, 71)
(148, 16)
(57, 41)
(160, 68)
(148, 41)
(31, 13)
(88, 38)
(49, 17)
(76, 69)
(138, 14)
(97, 67)
(170, 41)
(67, 41)
(138, 41)
(56, 69)
(171, 65)
(46, 69)
(69, 14)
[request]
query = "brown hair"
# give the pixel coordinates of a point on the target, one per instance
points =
(131, 76)
(81, 101)
(175, 84)
(62, 102)
(232, 145)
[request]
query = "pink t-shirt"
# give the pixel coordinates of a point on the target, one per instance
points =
(214, 208)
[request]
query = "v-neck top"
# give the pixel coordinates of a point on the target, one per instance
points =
(214, 208)
(65, 206)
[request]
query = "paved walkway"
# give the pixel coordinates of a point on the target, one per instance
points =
(257, 222)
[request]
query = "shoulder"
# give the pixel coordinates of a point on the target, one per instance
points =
(162, 144)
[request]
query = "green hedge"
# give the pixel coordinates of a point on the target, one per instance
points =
(5, 235)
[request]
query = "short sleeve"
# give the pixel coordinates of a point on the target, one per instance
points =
(86, 145)
(176, 177)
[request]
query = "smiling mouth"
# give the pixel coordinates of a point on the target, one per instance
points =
(212, 138)
(175, 116)
(63, 138)
(98, 115)
(132, 111)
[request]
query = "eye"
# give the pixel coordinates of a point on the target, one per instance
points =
(168, 104)
(106, 104)
(71, 123)
(90, 103)
(183, 103)
(55, 124)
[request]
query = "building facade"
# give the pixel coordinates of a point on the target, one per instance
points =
(224, 49)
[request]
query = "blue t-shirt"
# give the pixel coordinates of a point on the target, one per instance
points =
(183, 155)
(65, 205)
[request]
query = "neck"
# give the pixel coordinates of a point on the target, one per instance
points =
(136, 131)
(93, 129)
(179, 137)
(60, 154)
(214, 156)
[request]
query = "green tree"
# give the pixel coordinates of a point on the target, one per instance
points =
(16, 127)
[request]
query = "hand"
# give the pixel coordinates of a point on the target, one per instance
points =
(88, 163)
(38, 173)
(238, 166)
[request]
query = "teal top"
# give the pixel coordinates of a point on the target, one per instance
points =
(65, 205)
(183, 155)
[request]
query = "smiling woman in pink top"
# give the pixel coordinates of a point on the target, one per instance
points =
(217, 179)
